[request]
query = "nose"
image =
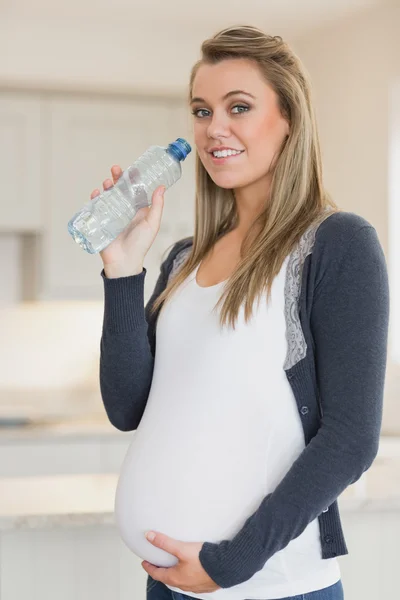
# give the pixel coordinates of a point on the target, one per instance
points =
(218, 126)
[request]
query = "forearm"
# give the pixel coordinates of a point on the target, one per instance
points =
(126, 360)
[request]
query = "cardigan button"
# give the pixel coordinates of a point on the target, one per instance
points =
(304, 410)
(326, 510)
(328, 539)
(290, 375)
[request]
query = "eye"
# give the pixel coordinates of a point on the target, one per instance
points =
(241, 106)
(196, 112)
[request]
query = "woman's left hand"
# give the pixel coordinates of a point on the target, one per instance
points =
(188, 574)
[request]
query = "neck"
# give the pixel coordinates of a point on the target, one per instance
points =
(250, 203)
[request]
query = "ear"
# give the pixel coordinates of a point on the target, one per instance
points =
(287, 129)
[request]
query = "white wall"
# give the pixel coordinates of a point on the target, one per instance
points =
(353, 65)
(354, 68)
(10, 247)
(127, 44)
(114, 55)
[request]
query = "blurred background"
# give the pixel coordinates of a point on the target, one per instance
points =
(87, 84)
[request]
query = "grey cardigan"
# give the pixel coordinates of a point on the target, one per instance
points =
(337, 312)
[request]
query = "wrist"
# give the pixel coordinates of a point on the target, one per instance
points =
(116, 271)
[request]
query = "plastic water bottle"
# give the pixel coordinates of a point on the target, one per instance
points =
(102, 219)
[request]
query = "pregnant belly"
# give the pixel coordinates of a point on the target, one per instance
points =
(189, 483)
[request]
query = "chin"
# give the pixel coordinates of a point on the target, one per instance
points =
(227, 181)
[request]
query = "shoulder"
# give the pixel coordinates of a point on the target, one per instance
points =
(181, 246)
(339, 228)
(176, 253)
(338, 232)
(346, 245)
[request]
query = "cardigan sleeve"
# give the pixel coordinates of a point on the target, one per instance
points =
(349, 324)
(127, 346)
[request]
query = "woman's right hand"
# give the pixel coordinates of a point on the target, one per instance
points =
(125, 255)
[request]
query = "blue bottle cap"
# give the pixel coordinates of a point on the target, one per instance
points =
(180, 149)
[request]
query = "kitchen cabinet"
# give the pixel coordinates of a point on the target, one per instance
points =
(21, 162)
(55, 148)
(58, 433)
(84, 137)
(76, 455)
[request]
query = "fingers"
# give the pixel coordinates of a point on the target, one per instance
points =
(116, 173)
(156, 209)
(107, 183)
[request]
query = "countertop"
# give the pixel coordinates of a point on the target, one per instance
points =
(56, 430)
(49, 403)
(81, 500)
(53, 415)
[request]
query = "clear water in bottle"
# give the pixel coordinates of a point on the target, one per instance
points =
(102, 219)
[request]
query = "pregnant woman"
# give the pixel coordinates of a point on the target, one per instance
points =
(254, 375)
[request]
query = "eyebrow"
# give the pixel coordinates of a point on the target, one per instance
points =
(228, 95)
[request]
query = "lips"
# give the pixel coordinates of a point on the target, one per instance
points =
(219, 160)
(222, 148)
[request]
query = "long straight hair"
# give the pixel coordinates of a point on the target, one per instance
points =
(297, 195)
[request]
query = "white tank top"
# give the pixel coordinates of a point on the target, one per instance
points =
(219, 432)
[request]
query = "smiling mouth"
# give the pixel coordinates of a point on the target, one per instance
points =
(226, 154)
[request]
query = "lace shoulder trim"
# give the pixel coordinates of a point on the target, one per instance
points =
(178, 261)
(296, 343)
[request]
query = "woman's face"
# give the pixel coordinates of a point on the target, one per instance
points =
(235, 108)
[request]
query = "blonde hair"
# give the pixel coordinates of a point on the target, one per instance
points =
(297, 195)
